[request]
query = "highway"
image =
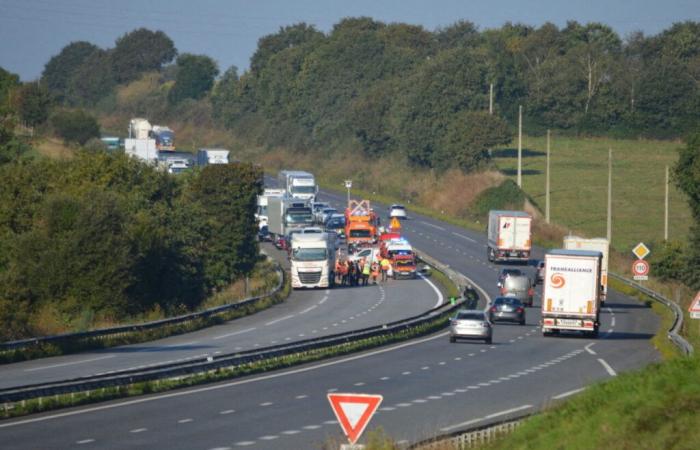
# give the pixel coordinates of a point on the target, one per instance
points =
(429, 385)
(305, 314)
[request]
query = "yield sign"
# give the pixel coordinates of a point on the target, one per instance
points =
(694, 308)
(353, 412)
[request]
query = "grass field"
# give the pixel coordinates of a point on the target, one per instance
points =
(579, 180)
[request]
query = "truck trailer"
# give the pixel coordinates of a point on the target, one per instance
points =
(312, 258)
(509, 237)
(261, 213)
(571, 292)
(143, 149)
(597, 245)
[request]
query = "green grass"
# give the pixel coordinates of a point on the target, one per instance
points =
(656, 408)
(579, 180)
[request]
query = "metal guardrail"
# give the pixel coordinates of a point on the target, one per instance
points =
(683, 345)
(477, 437)
(124, 329)
(206, 364)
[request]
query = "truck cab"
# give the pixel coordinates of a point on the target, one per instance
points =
(312, 257)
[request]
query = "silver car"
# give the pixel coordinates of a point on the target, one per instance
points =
(508, 309)
(470, 324)
(520, 287)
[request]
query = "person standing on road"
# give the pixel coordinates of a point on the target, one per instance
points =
(385, 265)
(375, 271)
(366, 270)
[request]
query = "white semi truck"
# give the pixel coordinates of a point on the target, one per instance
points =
(312, 257)
(139, 128)
(571, 292)
(298, 184)
(284, 214)
(509, 236)
(598, 245)
(261, 213)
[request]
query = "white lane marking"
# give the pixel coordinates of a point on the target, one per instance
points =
(312, 427)
(69, 363)
(310, 308)
(490, 416)
(432, 225)
(408, 372)
(245, 443)
(568, 393)
(464, 237)
(612, 322)
(291, 432)
(272, 322)
(330, 422)
(385, 378)
(85, 441)
(435, 288)
(138, 430)
(323, 300)
(185, 420)
(266, 404)
(359, 383)
(387, 408)
(589, 350)
(299, 397)
(223, 336)
(227, 411)
(220, 448)
(227, 385)
(268, 438)
(607, 367)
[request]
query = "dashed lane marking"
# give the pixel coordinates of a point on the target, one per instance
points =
(223, 336)
(272, 322)
(607, 367)
(568, 393)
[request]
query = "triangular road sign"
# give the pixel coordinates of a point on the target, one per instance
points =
(695, 304)
(354, 412)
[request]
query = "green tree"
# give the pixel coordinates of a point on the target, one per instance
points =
(687, 172)
(286, 38)
(227, 198)
(92, 80)
(467, 139)
(33, 103)
(8, 82)
(75, 126)
(194, 77)
(60, 68)
(140, 51)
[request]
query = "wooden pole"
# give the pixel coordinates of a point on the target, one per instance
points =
(666, 208)
(546, 209)
(520, 146)
(609, 233)
(491, 99)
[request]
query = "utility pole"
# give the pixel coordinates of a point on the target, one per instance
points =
(546, 208)
(520, 146)
(609, 234)
(666, 209)
(491, 100)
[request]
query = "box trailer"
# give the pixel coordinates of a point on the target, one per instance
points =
(509, 236)
(598, 245)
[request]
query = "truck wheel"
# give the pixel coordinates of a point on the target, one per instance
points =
(489, 254)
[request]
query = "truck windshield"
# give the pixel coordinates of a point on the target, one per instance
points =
(404, 263)
(299, 217)
(303, 189)
(309, 254)
(360, 233)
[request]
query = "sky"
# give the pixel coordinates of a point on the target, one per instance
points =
(32, 31)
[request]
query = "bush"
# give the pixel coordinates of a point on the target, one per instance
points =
(75, 126)
(507, 195)
(669, 260)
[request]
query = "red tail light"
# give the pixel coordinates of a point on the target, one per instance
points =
(503, 290)
(520, 310)
(493, 309)
(530, 292)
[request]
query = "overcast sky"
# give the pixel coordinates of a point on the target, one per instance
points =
(31, 31)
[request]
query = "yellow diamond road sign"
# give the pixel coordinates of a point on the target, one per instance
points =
(641, 251)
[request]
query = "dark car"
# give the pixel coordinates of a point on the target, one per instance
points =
(508, 309)
(506, 273)
(263, 234)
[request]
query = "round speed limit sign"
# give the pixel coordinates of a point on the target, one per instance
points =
(640, 268)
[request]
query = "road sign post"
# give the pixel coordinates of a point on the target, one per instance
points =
(354, 412)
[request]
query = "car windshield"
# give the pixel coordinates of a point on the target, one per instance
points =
(470, 316)
(309, 254)
(360, 233)
(320, 206)
(510, 272)
(299, 217)
(336, 223)
(304, 189)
